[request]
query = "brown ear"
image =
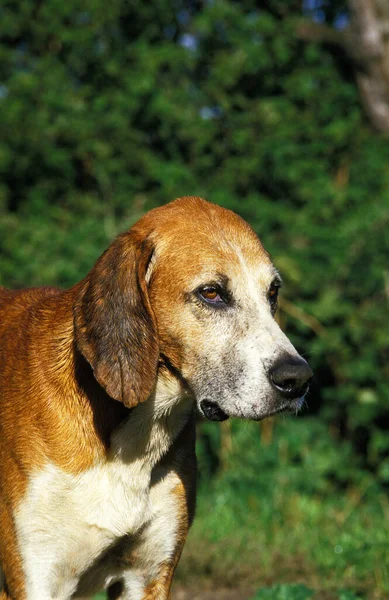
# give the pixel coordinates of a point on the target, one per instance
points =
(114, 324)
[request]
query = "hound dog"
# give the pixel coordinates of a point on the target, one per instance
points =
(98, 390)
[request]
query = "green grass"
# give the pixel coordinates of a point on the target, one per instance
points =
(296, 592)
(284, 592)
(294, 508)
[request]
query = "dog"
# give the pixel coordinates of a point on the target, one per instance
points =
(99, 386)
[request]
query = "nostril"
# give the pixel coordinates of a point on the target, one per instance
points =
(291, 376)
(288, 384)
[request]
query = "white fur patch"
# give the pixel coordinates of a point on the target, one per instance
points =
(65, 522)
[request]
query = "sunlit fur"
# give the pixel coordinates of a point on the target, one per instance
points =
(99, 386)
(224, 355)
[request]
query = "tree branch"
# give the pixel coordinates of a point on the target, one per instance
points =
(298, 313)
(317, 32)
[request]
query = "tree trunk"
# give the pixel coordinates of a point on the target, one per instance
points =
(366, 42)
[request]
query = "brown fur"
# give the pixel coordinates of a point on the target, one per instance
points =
(65, 355)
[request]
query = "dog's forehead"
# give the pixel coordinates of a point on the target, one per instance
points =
(199, 240)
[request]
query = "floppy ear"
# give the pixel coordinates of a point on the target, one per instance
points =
(114, 324)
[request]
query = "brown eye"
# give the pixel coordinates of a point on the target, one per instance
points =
(273, 292)
(211, 295)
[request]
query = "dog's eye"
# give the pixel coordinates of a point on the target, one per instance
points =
(273, 294)
(211, 295)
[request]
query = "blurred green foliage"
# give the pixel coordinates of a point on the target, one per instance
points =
(107, 110)
(105, 113)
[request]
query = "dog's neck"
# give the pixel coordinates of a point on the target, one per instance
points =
(140, 436)
(151, 428)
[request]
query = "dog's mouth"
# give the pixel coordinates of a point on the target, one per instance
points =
(212, 411)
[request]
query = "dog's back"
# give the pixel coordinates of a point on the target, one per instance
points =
(16, 308)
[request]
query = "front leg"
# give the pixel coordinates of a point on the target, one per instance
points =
(152, 558)
(159, 589)
(159, 584)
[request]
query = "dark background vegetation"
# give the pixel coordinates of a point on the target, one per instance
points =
(278, 110)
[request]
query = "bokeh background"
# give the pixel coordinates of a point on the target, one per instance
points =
(276, 109)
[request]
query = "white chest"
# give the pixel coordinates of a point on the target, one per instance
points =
(65, 522)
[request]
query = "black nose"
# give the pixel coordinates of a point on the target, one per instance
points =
(290, 376)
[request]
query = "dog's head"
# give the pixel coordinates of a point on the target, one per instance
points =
(191, 289)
